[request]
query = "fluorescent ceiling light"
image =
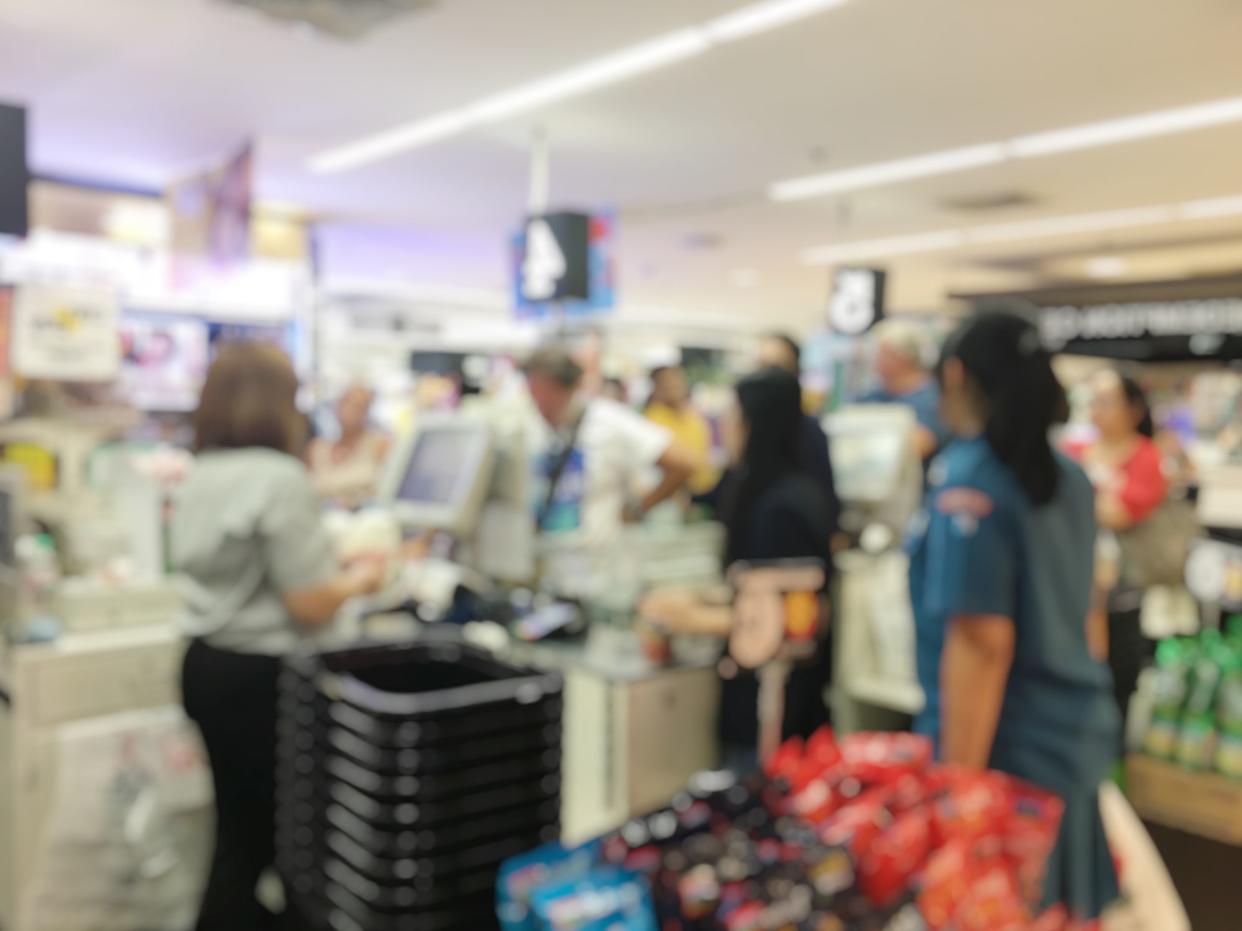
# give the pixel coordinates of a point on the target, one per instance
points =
(1164, 122)
(880, 248)
(1106, 266)
(920, 166)
(1069, 225)
(744, 278)
(383, 145)
(1210, 209)
(760, 17)
(1074, 224)
(610, 69)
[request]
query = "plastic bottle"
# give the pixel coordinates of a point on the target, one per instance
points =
(1173, 659)
(1196, 741)
(1229, 707)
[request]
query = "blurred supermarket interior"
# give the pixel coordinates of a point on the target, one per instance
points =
(518, 463)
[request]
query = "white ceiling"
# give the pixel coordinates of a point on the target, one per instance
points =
(144, 91)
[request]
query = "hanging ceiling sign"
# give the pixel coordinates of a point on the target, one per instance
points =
(564, 261)
(1148, 322)
(67, 333)
(857, 302)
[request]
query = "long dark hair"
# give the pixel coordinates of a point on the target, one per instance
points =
(1012, 371)
(1136, 398)
(771, 404)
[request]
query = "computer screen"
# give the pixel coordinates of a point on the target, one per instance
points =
(435, 474)
(439, 476)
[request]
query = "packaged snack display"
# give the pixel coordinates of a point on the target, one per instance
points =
(865, 835)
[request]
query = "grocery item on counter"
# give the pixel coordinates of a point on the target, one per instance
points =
(1173, 661)
(862, 835)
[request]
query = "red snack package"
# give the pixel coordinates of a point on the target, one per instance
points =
(883, 757)
(822, 749)
(993, 902)
(1030, 833)
(1054, 919)
(786, 761)
(856, 826)
(946, 883)
(975, 806)
(894, 857)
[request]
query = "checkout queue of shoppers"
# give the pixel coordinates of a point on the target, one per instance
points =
(1012, 628)
(1026, 587)
(560, 466)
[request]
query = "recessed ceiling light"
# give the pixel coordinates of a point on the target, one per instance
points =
(1043, 227)
(659, 52)
(1109, 132)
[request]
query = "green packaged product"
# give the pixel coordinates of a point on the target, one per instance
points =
(1196, 741)
(1229, 707)
(1173, 662)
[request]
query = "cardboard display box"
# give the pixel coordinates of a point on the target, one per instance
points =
(1201, 803)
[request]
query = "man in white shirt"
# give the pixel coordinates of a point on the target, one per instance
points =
(600, 452)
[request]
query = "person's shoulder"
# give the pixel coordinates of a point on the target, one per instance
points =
(967, 475)
(254, 465)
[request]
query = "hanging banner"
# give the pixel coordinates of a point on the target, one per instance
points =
(66, 333)
(563, 263)
(211, 219)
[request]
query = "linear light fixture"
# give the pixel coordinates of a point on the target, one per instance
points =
(992, 234)
(1109, 132)
(1212, 208)
(1161, 123)
(760, 17)
(618, 66)
(936, 241)
(905, 169)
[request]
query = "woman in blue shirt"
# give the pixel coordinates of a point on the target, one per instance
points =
(1001, 578)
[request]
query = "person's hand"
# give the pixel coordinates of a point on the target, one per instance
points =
(368, 575)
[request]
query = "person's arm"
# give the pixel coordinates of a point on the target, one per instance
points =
(300, 561)
(974, 669)
(317, 605)
(676, 466)
(683, 611)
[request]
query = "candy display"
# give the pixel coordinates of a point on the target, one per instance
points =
(865, 834)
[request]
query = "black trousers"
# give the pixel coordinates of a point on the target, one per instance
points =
(1129, 653)
(232, 699)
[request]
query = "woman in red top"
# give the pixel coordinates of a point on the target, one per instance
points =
(1125, 465)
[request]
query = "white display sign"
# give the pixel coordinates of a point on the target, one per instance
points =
(66, 332)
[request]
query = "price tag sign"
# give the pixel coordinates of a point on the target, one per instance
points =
(857, 302)
(66, 332)
(555, 265)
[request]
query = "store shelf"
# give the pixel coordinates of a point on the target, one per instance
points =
(1199, 803)
(893, 694)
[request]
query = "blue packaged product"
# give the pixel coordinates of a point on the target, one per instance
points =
(522, 876)
(605, 898)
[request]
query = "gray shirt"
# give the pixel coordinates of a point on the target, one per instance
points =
(246, 530)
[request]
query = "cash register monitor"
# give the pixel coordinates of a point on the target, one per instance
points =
(875, 464)
(439, 477)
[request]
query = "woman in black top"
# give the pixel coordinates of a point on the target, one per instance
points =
(773, 509)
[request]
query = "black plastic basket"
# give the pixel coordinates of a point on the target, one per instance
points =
(405, 776)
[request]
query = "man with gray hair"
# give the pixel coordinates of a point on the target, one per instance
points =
(900, 367)
(600, 453)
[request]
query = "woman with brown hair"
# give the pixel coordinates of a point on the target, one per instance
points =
(259, 575)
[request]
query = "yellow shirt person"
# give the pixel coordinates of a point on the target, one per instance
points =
(670, 408)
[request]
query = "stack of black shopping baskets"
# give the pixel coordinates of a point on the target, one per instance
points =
(406, 775)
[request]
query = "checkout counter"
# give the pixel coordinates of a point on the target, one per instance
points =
(634, 730)
(105, 679)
